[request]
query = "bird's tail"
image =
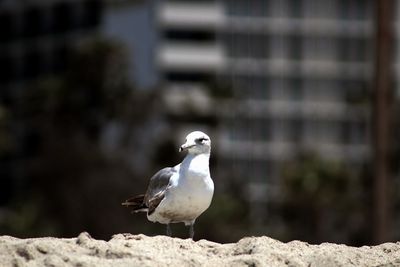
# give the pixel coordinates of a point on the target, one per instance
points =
(136, 203)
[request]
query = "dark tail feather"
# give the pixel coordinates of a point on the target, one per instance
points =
(136, 203)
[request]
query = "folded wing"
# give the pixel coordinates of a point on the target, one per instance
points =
(155, 192)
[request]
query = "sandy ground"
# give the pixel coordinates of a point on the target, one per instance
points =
(141, 250)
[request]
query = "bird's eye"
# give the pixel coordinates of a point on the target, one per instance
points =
(202, 139)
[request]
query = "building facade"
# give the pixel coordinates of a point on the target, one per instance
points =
(300, 71)
(36, 36)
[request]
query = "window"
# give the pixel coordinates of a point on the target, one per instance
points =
(288, 130)
(281, 8)
(356, 92)
(280, 88)
(187, 77)
(320, 48)
(295, 132)
(247, 8)
(7, 68)
(247, 45)
(261, 129)
(191, 35)
(323, 90)
(296, 47)
(280, 46)
(8, 27)
(33, 22)
(33, 64)
(326, 9)
(92, 10)
(63, 20)
(295, 89)
(322, 132)
(259, 170)
(356, 9)
(251, 129)
(60, 57)
(296, 8)
(354, 132)
(252, 169)
(251, 87)
(354, 50)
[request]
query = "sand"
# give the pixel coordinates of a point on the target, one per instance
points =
(141, 250)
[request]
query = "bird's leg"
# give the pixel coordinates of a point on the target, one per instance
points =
(169, 232)
(191, 230)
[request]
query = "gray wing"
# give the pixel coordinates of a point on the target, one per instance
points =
(157, 186)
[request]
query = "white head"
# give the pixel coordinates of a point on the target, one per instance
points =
(197, 143)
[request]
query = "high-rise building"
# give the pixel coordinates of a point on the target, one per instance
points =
(35, 37)
(130, 23)
(300, 70)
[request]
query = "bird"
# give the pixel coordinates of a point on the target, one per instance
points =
(179, 194)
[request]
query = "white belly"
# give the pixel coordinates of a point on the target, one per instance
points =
(184, 203)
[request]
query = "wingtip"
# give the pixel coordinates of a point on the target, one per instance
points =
(125, 204)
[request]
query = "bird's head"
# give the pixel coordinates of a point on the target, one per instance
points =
(196, 143)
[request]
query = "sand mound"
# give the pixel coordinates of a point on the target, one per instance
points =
(141, 250)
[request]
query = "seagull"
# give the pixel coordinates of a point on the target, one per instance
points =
(182, 193)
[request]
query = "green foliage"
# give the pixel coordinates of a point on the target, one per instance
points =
(225, 219)
(395, 169)
(395, 148)
(219, 90)
(63, 118)
(316, 181)
(93, 91)
(22, 219)
(323, 201)
(6, 142)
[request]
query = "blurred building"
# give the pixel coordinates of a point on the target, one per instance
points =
(36, 40)
(35, 37)
(130, 22)
(301, 72)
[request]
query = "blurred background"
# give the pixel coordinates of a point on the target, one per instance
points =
(300, 98)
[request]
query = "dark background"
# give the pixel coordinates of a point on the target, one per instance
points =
(84, 124)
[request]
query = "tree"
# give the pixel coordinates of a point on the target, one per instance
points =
(74, 181)
(323, 201)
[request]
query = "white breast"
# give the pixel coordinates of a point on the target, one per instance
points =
(189, 194)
